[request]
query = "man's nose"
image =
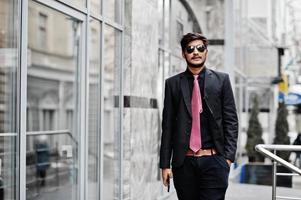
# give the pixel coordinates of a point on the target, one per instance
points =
(195, 51)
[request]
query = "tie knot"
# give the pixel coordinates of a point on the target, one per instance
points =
(195, 77)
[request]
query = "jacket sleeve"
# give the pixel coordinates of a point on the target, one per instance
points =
(230, 120)
(167, 128)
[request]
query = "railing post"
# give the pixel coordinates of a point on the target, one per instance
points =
(274, 178)
(57, 164)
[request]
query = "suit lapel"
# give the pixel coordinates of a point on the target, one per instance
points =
(208, 83)
(186, 93)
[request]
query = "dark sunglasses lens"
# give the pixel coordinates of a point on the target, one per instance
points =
(201, 48)
(190, 49)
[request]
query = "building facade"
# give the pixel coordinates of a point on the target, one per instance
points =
(81, 92)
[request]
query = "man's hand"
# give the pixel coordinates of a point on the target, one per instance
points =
(229, 162)
(166, 176)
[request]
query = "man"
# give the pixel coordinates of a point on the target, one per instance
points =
(199, 127)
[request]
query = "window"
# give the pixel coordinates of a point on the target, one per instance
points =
(48, 119)
(42, 30)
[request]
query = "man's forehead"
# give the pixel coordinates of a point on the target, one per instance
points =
(195, 42)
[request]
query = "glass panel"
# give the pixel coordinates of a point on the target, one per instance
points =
(9, 29)
(113, 10)
(94, 101)
(95, 6)
(52, 104)
(111, 112)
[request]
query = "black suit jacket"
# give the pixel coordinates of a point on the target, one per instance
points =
(177, 120)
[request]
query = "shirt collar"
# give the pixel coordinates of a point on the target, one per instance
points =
(189, 74)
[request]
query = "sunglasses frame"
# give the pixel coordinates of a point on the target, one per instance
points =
(201, 48)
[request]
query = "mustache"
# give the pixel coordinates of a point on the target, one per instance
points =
(195, 65)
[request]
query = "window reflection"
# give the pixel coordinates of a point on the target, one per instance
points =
(52, 104)
(9, 30)
(42, 26)
(111, 112)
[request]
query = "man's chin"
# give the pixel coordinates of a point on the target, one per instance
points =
(196, 65)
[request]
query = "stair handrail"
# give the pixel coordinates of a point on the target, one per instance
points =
(264, 149)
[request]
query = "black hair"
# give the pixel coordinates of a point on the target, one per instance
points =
(186, 39)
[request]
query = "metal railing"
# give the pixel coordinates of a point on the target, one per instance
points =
(56, 132)
(266, 151)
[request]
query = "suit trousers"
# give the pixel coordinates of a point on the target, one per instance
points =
(202, 178)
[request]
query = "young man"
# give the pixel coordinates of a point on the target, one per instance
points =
(199, 127)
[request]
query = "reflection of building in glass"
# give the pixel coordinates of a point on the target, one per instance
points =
(52, 96)
(52, 72)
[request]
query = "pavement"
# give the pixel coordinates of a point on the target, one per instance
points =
(236, 191)
(239, 191)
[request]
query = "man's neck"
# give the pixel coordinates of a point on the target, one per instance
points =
(196, 71)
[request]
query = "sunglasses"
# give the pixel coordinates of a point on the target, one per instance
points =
(200, 48)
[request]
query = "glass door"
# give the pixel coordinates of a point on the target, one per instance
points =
(53, 90)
